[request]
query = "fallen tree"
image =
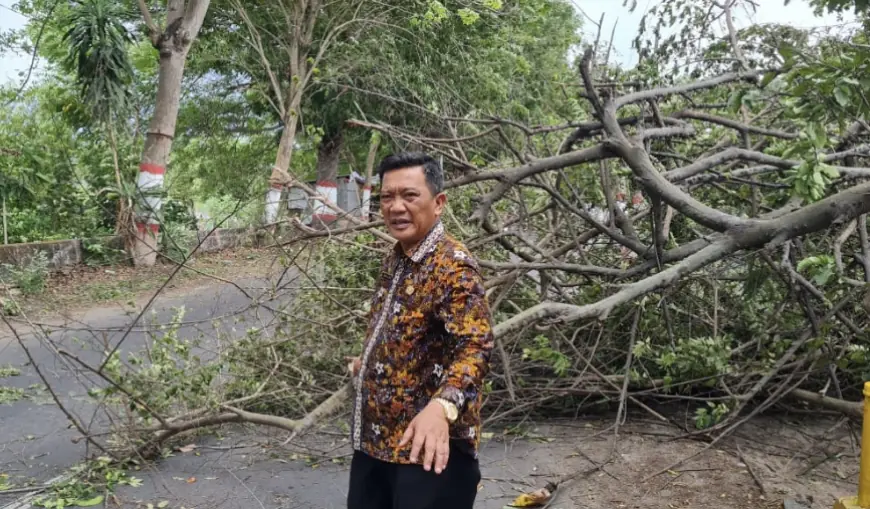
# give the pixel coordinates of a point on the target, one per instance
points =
(701, 243)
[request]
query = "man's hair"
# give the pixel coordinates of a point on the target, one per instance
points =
(431, 168)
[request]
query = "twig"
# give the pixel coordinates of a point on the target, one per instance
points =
(751, 470)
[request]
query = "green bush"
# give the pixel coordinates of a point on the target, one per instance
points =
(177, 241)
(692, 359)
(98, 253)
(315, 330)
(30, 279)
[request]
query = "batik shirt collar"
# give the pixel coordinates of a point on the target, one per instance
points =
(427, 245)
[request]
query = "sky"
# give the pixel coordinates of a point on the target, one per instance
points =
(798, 13)
(11, 65)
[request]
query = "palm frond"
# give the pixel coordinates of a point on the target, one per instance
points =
(98, 41)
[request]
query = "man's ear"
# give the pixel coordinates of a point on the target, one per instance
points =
(440, 203)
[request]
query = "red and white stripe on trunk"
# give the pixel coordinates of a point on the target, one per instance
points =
(149, 185)
(329, 191)
(365, 208)
(273, 201)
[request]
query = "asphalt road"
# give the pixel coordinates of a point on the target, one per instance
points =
(36, 439)
(237, 467)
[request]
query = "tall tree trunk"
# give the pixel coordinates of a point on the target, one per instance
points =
(183, 22)
(366, 202)
(302, 19)
(121, 220)
(328, 157)
(280, 174)
(5, 226)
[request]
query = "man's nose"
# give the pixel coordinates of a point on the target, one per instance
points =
(397, 206)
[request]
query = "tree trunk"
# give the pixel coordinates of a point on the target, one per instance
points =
(5, 226)
(328, 157)
(182, 26)
(121, 224)
(366, 202)
(282, 165)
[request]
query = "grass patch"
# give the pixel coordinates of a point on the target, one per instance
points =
(7, 371)
(10, 394)
(5, 485)
(101, 292)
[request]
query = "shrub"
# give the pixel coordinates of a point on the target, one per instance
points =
(31, 278)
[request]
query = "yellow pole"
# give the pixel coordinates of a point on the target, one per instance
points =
(864, 479)
(862, 501)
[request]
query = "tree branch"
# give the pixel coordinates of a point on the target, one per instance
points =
(734, 124)
(153, 29)
(645, 95)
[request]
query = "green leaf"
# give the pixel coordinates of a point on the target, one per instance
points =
(89, 502)
(787, 52)
(829, 171)
(755, 279)
(841, 94)
(735, 101)
(768, 77)
(468, 16)
(817, 135)
(808, 262)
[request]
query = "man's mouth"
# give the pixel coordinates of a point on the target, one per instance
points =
(400, 224)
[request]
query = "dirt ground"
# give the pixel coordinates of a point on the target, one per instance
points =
(78, 288)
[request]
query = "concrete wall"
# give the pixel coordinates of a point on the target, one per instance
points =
(60, 253)
(66, 253)
(226, 238)
(348, 197)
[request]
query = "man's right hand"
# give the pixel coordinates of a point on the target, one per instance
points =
(353, 365)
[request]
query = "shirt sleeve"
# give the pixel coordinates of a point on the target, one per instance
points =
(466, 316)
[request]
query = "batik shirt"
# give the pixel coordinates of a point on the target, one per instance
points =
(429, 336)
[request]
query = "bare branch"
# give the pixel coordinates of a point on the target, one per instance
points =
(847, 205)
(588, 270)
(653, 181)
(645, 95)
(733, 124)
(153, 29)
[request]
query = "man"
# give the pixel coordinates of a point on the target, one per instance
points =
(416, 419)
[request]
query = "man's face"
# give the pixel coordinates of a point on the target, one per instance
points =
(408, 206)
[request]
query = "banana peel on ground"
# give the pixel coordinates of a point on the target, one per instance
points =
(537, 498)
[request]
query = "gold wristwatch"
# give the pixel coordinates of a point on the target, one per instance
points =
(450, 409)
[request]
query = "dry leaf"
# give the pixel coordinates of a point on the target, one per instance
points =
(191, 480)
(535, 498)
(187, 448)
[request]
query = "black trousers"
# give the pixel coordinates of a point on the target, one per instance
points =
(375, 484)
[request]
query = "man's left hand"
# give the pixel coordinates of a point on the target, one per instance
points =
(430, 433)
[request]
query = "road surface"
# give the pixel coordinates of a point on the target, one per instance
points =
(236, 468)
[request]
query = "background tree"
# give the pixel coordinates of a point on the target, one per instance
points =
(98, 44)
(173, 42)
